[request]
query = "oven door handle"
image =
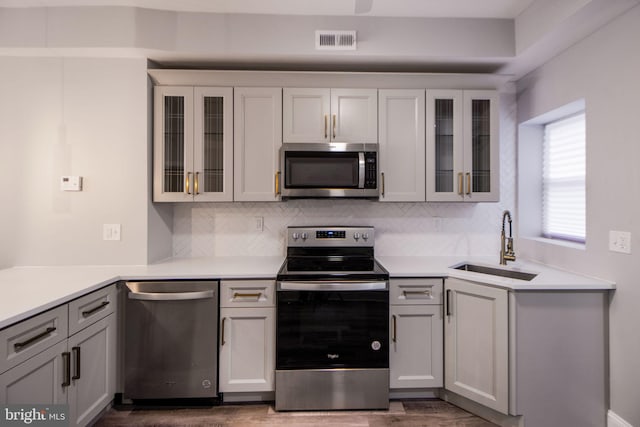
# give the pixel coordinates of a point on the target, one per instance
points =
(332, 286)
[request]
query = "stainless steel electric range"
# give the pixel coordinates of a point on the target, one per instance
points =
(332, 322)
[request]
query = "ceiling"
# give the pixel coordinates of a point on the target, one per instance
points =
(509, 37)
(508, 9)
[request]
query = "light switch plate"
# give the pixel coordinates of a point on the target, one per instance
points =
(111, 232)
(620, 241)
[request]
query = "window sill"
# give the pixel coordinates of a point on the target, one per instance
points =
(557, 242)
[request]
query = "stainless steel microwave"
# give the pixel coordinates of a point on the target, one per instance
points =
(319, 170)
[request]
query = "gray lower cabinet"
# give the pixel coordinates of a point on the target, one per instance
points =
(44, 365)
(93, 352)
(36, 381)
(247, 336)
(539, 355)
(476, 331)
(415, 347)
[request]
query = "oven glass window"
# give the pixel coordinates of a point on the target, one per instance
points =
(321, 170)
(328, 329)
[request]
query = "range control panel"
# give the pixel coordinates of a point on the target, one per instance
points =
(330, 236)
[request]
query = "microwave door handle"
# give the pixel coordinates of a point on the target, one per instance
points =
(361, 169)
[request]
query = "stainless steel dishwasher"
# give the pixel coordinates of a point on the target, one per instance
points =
(171, 335)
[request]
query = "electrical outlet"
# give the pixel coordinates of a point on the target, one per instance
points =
(111, 232)
(620, 241)
(259, 223)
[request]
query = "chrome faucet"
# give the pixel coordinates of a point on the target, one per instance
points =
(506, 244)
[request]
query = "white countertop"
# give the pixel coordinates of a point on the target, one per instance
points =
(27, 291)
(547, 279)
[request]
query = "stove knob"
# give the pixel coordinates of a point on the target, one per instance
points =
(304, 236)
(365, 236)
(356, 236)
(295, 236)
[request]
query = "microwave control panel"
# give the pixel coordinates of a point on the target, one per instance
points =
(370, 170)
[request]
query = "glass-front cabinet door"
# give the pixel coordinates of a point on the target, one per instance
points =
(444, 145)
(481, 138)
(193, 136)
(213, 145)
(462, 146)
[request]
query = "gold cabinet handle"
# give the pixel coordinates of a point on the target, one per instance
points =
(277, 190)
(326, 119)
(222, 341)
(426, 293)
(468, 184)
(460, 184)
(195, 184)
(334, 126)
(188, 183)
(394, 324)
(382, 183)
(247, 295)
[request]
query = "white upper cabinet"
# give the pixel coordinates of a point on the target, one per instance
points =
(306, 115)
(462, 146)
(330, 115)
(402, 145)
(258, 137)
(193, 144)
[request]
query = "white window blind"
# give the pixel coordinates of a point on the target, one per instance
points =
(563, 184)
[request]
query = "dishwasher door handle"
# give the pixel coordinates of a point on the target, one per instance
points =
(170, 296)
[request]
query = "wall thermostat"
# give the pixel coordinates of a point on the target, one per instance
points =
(71, 183)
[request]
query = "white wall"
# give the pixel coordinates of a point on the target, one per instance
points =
(604, 69)
(83, 117)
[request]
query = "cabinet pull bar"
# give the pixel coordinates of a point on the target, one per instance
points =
(277, 190)
(196, 190)
(326, 119)
(334, 126)
(468, 184)
(66, 369)
(20, 345)
(382, 184)
(187, 183)
(460, 188)
(394, 322)
(222, 341)
(89, 312)
(425, 292)
(448, 302)
(76, 367)
(247, 295)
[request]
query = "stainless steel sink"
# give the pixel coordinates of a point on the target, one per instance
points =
(511, 274)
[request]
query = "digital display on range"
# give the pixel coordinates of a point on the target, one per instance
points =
(330, 234)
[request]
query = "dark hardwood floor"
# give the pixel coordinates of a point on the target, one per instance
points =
(407, 413)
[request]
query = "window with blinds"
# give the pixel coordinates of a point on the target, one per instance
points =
(563, 183)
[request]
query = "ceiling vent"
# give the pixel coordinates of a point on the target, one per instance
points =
(335, 40)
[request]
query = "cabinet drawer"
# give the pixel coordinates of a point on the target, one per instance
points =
(90, 308)
(247, 293)
(416, 291)
(29, 337)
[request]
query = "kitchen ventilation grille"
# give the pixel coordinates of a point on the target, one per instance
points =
(335, 40)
